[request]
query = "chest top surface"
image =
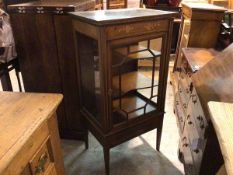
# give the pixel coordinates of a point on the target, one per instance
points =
(20, 115)
(198, 57)
(203, 7)
(51, 6)
(104, 17)
(69, 3)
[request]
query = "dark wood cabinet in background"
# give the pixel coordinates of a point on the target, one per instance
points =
(200, 27)
(44, 41)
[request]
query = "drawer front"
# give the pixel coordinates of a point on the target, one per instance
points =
(42, 160)
(125, 30)
(180, 116)
(185, 78)
(183, 98)
(197, 145)
(196, 138)
(198, 114)
(189, 165)
(21, 159)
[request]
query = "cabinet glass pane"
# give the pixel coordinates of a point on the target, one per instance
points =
(89, 75)
(135, 77)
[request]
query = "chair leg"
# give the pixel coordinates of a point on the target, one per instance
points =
(159, 135)
(106, 160)
(17, 70)
(6, 82)
(18, 80)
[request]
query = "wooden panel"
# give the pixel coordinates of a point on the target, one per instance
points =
(38, 55)
(56, 145)
(121, 31)
(68, 76)
(41, 160)
(208, 33)
(51, 170)
(82, 28)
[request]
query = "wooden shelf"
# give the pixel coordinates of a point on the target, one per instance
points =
(131, 103)
(131, 81)
(138, 52)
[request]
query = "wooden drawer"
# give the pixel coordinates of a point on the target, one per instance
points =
(42, 161)
(189, 165)
(198, 114)
(196, 140)
(197, 145)
(183, 98)
(180, 115)
(125, 30)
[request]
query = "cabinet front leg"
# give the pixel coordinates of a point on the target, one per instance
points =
(158, 139)
(106, 160)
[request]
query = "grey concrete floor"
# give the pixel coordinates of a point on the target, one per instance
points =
(135, 157)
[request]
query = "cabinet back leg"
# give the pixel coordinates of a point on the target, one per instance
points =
(106, 160)
(86, 140)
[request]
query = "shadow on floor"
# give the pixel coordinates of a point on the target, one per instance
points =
(135, 157)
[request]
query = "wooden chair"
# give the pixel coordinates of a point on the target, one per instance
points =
(5, 68)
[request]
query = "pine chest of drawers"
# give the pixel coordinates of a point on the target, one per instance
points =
(29, 137)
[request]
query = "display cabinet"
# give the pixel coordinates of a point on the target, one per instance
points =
(118, 99)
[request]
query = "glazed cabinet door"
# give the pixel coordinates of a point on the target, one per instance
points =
(135, 88)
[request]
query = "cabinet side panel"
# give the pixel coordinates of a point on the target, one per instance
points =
(37, 52)
(67, 65)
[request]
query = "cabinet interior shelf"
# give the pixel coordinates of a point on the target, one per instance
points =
(138, 52)
(132, 106)
(132, 80)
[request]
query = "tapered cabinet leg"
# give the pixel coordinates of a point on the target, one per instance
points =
(106, 160)
(158, 139)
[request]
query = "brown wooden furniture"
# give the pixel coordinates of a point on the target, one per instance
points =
(117, 100)
(204, 75)
(29, 135)
(200, 27)
(44, 42)
(223, 3)
(221, 117)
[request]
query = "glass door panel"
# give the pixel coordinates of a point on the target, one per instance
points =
(135, 77)
(89, 64)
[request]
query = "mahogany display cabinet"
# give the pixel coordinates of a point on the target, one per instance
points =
(119, 100)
